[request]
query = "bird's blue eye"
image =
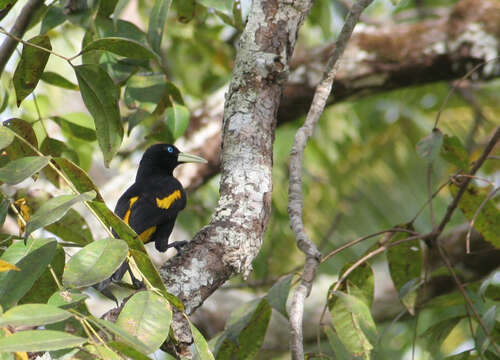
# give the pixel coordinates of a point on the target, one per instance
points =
(170, 149)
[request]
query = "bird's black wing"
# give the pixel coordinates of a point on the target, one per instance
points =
(153, 208)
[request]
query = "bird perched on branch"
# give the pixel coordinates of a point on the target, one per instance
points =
(150, 206)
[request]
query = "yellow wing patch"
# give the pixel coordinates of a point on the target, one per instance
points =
(167, 201)
(146, 234)
(131, 202)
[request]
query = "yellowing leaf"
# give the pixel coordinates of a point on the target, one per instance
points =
(6, 266)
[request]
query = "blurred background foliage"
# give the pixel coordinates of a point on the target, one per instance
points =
(362, 173)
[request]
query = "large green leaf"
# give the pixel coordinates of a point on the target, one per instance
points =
(54, 209)
(157, 20)
(33, 315)
(149, 270)
(353, 323)
(95, 262)
(32, 259)
(121, 46)
(30, 67)
(39, 340)
(66, 298)
(72, 228)
(54, 17)
(122, 334)
(78, 129)
(100, 95)
(454, 152)
(147, 317)
(278, 294)
(405, 266)
(6, 137)
(45, 285)
(19, 148)
(177, 118)
(78, 177)
(245, 334)
(341, 353)
(128, 350)
(200, 344)
(487, 220)
(55, 79)
(18, 170)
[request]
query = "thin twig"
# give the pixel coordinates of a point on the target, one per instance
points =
(295, 183)
(27, 43)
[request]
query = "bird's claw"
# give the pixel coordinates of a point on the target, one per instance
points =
(178, 245)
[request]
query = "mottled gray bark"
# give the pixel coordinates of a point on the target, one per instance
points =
(232, 239)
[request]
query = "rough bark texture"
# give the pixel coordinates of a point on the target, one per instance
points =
(377, 59)
(230, 242)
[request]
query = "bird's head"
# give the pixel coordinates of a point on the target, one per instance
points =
(163, 159)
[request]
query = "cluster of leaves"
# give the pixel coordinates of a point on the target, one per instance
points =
(38, 286)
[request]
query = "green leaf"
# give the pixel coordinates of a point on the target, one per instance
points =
(95, 262)
(245, 333)
(157, 20)
(278, 294)
(454, 152)
(76, 126)
(54, 17)
(54, 209)
(72, 228)
(30, 67)
(4, 207)
(221, 5)
(125, 336)
(185, 10)
(487, 221)
(106, 8)
(39, 340)
(55, 148)
(353, 323)
(32, 259)
(147, 317)
(177, 118)
(100, 96)
(127, 350)
(200, 344)
(18, 170)
(45, 285)
(18, 148)
(6, 137)
(78, 177)
(66, 299)
(55, 79)
(405, 266)
(121, 46)
(341, 353)
(33, 315)
(148, 269)
(428, 148)
(488, 319)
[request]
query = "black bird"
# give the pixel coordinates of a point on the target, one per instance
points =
(150, 206)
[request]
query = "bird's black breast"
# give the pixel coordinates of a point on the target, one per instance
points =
(151, 203)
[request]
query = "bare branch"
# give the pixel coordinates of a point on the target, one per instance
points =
(20, 26)
(295, 196)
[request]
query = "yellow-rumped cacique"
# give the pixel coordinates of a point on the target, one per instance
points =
(150, 206)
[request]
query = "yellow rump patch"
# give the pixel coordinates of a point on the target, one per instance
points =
(146, 234)
(167, 201)
(131, 202)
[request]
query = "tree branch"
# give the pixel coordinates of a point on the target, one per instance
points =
(20, 26)
(295, 195)
(230, 242)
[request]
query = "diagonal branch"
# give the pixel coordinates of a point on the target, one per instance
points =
(295, 195)
(20, 26)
